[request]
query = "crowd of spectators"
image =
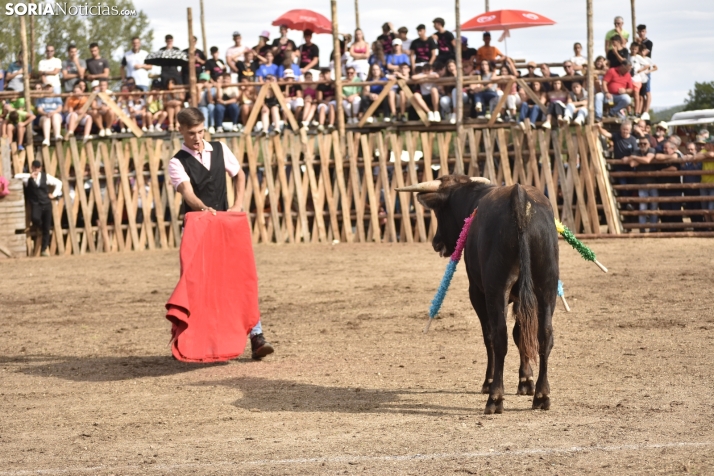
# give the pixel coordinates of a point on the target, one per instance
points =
(227, 84)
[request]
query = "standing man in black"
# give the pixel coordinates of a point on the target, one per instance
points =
(198, 173)
(169, 72)
(37, 193)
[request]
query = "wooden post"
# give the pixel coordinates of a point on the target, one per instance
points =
(337, 58)
(203, 30)
(191, 61)
(356, 13)
(458, 108)
(32, 38)
(634, 22)
(591, 66)
(487, 7)
(26, 85)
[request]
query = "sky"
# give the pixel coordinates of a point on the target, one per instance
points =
(681, 31)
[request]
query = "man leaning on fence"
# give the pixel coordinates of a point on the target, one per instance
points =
(198, 173)
(37, 193)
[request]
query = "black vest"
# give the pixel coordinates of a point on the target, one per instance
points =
(37, 195)
(208, 185)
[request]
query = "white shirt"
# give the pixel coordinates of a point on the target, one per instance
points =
(178, 174)
(236, 53)
(639, 62)
(406, 45)
(579, 60)
(50, 65)
(51, 182)
(141, 76)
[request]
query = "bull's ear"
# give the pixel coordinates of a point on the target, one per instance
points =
(432, 200)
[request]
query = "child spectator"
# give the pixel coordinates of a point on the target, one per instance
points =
(397, 57)
(352, 96)
(246, 101)
(310, 97)
(326, 101)
(17, 121)
(226, 99)
(248, 67)
(428, 90)
(645, 90)
(155, 107)
(206, 93)
(75, 118)
(173, 101)
(49, 110)
(423, 49)
(293, 95)
(558, 98)
(373, 91)
(580, 62)
(102, 116)
(360, 52)
(530, 109)
(271, 109)
(578, 105)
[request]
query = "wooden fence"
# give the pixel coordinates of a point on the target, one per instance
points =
(116, 196)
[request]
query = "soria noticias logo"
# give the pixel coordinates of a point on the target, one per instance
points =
(58, 8)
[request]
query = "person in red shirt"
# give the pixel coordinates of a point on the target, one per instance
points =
(618, 88)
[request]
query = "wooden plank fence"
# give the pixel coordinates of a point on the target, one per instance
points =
(315, 189)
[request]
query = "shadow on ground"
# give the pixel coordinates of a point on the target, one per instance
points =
(100, 369)
(268, 395)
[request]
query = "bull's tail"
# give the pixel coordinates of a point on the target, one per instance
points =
(525, 310)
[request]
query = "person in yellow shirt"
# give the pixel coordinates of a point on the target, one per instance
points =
(708, 165)
(488, 52)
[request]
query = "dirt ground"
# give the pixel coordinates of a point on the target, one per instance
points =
(88, 386)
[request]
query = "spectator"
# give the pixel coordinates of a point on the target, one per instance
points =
(206, 104)
(708, 166)
(640, 160)
(73, 69)
(617, 31)
(133, 65)
(75, 117)
(267, 68)
(423, 49)
(310, 97)
(546, 73)
(18, 120)
(578, 60)
(468, 55)
(531, 67)
(155, 107)
(428, 90)
(646, 90)
(397, 57)
(643, 40)
(293, 94)
(227, 98)
(386, 39)
(326, 103)
(371, 93)
(13, 76)
(139, 112)
(640, 67)
(288, 64)
(667, 151)
(618, 86)
(569, 69)
(50, 68)
(97, 67)
(309, 53)
(378, 57)
(360, 52)
(600, 70)
(623, 142)
(234, 55)
(483, 94)
(406, 42)
(248, 67)
(2, 79)
(488, 52)
(660, 134)
(397, 97)
(448, 101)
(281, 44)
(246, 101)
(169, 72)
(199, 62)
(215, 66)
(102, 116)
(531, 110)
(445, 41)
(352, 96)
(693, 149)
(270, 110)
(578, 105)
(558, 99)
(49, 110)
(37, 194)
(263, 46)
(617, 53)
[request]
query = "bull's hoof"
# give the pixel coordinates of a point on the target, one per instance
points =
(493, 406)
(541, 402)
(526, 387)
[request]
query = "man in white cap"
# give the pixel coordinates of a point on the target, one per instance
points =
(397, 58)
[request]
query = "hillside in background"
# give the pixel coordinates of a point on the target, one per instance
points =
(665, 114)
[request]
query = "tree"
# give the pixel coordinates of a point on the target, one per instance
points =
(701, 97)
(113, 33)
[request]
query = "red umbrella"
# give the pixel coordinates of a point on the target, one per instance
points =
(505, 20)
(304, 20)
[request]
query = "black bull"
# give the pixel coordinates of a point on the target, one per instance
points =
(511, 255)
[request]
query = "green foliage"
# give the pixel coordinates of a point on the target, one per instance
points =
(665, 114)
(113, 33)
(701, 97)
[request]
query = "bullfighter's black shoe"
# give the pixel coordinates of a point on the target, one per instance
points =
(260, 347)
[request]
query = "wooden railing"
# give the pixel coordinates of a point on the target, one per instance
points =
(116, 195)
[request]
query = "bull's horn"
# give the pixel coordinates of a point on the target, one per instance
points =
(431, 186)
(480, 180)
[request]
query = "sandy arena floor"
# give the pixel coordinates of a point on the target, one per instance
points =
(87, 384)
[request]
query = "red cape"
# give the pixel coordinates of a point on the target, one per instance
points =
(215, 303)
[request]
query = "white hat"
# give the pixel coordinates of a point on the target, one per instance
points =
(396, 42)
(288, 74)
